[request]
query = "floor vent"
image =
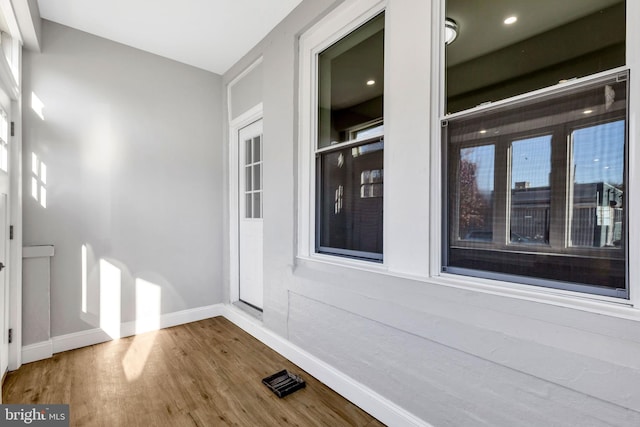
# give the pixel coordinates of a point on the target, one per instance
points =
(283, 383)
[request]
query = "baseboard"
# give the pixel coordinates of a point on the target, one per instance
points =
(172, 319)
(96, 336)
(367, 399)
(38, 351)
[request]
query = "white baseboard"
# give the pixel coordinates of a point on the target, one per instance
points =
(367, 399)
(96, 336)
(79, 339)
(38, 351)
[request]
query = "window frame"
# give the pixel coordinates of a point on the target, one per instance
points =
(335, 26)
(438, 227)
(560, 224)
(320, 153)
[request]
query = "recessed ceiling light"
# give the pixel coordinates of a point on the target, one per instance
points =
(371, 82)
(587, 112)
(483, 131)
(511, 20)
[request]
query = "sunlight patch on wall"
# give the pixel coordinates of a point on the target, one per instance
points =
(38, 180)
(37, 105)
(84, 278)
(148, 299)
(110, 291)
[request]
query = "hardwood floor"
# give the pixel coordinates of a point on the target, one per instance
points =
(205, 373)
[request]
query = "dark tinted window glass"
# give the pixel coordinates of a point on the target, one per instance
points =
(536, 189)
(350, 148)
(550, 41)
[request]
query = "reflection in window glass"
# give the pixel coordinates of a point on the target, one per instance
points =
(598, 190)
(476, 172)
(350, 85)
(551, 42)
(371, 183)
(350, 144)
(351, 206)
(555, 214)
(530, 190)
(368, 132)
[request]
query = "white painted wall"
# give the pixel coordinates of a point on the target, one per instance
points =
(454, 352)
(132, 144)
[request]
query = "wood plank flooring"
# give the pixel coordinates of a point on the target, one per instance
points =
(205, 373)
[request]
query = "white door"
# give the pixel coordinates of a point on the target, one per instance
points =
(4, 288)
(250, 213)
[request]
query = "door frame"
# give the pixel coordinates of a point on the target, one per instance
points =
(252, 115)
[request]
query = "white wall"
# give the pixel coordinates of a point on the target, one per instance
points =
(247, 93)
(132, 145)
(450, 352)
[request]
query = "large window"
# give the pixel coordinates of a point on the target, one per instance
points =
(535, 142)
(350, 144)
(536, 189)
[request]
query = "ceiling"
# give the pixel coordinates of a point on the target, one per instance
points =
(208, 34)
(215, 34)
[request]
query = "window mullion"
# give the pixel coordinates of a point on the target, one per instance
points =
(501, 194)
(561, 203)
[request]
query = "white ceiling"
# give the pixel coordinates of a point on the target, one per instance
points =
(208, 34)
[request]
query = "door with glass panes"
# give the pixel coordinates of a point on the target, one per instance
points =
(250, 214)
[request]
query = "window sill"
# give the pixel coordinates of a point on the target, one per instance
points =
(602, 305)
(608, 306)
(339, 261)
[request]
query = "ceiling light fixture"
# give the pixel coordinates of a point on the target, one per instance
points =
(450, 31)
(371, 82)
(511, 20)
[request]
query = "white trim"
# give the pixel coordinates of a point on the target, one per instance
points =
(15, 200)
(38, 251)
(633, 196)
(364, 397)
(614, 307)
(30, 29)
(6, 7)
(336, 25)
(437, 110)
(96, 336)
(38, 351)
(8, 80)
(78, 340)
(15, 245)
(235, 81)
(245, 119)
